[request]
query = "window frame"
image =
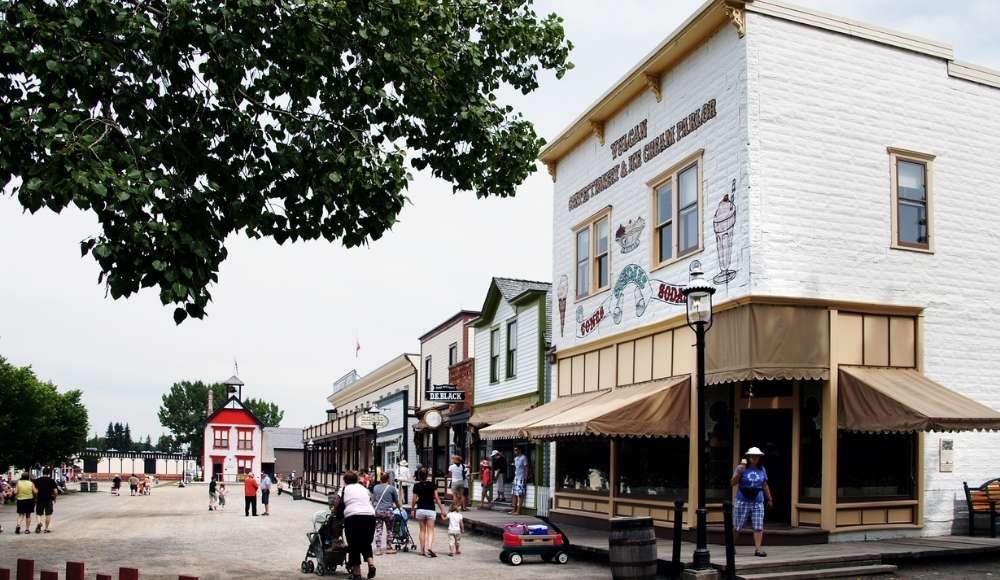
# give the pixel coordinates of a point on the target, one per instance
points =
(671, 175)
(494, 368)
(428, 370)
(927, 160)
(510, 355)
(216, 439)
(244, 436)
(590, 225)
(452, 354)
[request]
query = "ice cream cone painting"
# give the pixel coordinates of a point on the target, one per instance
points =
(724, 224)
(562, 290)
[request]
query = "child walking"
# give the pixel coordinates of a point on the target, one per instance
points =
(455, 529)
(222, 497)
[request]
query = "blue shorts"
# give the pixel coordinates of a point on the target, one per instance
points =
(749, 509)
(517, 488)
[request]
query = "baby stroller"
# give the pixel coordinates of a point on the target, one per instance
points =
(326, 545)
(401, 538)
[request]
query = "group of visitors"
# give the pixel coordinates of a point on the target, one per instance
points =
(493, 474)
(217, 493)
(136, 485)
(34, 497)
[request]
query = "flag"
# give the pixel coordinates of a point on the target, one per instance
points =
(357, 348)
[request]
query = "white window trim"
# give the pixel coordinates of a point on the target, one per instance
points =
(590, 224)
(895, 155)
(489, 361)
(671, 174)
(506, 347)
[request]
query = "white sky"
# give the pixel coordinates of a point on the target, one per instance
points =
(290, 314)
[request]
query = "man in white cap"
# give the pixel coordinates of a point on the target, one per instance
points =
(750, 481)
(499, 474)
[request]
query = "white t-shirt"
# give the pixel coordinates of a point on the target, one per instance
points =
(357, 501)
(457, 473)
(454, 523)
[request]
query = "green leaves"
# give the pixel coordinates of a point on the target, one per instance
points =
(294, 121)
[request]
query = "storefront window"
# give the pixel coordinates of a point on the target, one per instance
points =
(719, 429)
(653, 468)
(876, 466)
(810, 442)
(584, 465)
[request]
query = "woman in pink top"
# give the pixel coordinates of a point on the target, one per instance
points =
(359, 524)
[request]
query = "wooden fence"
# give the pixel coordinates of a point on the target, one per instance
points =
(74, 571)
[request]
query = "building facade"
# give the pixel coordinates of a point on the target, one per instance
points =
(233, 443)
(346, 442)
(512, 376)
(825, 174)
(442, 427)
(283, 451)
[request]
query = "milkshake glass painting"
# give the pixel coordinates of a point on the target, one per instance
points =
(724, 224)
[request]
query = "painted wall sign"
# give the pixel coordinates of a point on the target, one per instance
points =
(724, 225)
(562, 292)
(446, 393)
(650, 150)
(628, 140)
(629, 234)
(643, 288)
(946, 455)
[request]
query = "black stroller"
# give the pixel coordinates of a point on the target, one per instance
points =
(401, 538)
(326, 545)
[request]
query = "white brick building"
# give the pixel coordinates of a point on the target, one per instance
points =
(832, 178)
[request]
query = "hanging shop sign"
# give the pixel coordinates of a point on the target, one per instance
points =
(652, 148)
(445, 394)
(372, 420)
(433, 419)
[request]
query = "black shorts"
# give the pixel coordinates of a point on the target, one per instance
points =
(43, 508)
(25, 507)
(133, 487)
(265, 496)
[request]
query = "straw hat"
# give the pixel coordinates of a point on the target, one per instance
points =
(403, 463)
(755, 451)
(495, 452)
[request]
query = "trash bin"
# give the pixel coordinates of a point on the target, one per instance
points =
(93, 486)
(296, 492)
(84, 487)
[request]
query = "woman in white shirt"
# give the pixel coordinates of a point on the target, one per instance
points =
(359, 524)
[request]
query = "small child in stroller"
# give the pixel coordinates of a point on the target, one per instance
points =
(326, 544)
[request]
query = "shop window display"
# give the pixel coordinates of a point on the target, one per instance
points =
(810, 442)
(876, 466)
(719, 429)
(584, 465)
(653, 468)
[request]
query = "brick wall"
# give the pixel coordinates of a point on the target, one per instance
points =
(462, 375)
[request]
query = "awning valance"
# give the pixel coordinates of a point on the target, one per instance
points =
(658, 408)
(516, 426)
(879, 399)
(763, 341)
(499, 413)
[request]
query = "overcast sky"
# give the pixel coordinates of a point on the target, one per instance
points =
(290, 314)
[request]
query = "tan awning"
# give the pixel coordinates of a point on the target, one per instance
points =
(762, 341)
(878, 399)
(516, 426)
(499, 413)
(654, 409)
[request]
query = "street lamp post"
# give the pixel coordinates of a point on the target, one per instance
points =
(374, 412)
(699, 317)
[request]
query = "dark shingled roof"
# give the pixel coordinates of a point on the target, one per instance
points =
(511, 288)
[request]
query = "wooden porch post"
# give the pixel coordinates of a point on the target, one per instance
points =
(828, 505)
(613, 476)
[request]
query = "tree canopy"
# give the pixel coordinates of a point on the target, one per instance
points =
(180, 122)
(184, 409)
(38, 423)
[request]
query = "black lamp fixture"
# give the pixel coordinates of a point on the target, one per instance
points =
(699, 317)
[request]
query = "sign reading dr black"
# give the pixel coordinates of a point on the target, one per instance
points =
(445, 394)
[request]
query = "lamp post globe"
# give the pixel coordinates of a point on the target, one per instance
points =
(698, 293)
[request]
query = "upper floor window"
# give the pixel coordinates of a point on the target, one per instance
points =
(511, 348)
(220, 439)
(427, 374)
(593, 254)
(912, 216)
(244, 439)
(494, 355)
(452, 353)
(677, 212)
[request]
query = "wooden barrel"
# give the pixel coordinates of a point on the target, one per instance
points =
(632, 549)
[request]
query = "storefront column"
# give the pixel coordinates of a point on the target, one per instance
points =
(796, 449)
(919, 362)
(613, 477)
(828, 494)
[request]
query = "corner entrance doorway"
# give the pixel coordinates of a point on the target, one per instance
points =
(771, 430)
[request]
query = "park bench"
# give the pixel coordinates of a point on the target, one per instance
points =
(983, 500)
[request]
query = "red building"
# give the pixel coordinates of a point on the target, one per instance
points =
(233, 442)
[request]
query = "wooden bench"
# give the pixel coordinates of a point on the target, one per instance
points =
(983, 500)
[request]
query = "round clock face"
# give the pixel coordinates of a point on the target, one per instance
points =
(433, 419)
